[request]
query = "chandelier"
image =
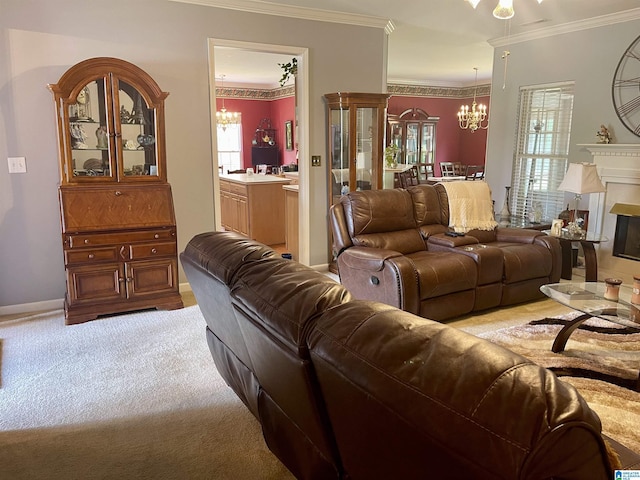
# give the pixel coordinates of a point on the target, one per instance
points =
(224, 118)
(472, 118)
(503, 11)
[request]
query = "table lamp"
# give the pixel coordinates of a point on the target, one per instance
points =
(580, 178)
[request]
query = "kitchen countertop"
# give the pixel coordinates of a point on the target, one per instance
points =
(253, 179)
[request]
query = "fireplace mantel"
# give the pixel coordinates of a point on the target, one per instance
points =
(618, 165)
(612, 149)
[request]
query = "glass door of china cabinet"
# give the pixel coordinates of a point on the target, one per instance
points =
(356, 134)
(108, 125)
(356, 142)
(414, 133)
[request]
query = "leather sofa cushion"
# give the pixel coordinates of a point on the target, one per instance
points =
(287, 310)
(220, 255)
(377, 211)
(426, 205)
(382, 219)
(483, 236)
(448, 399)
(524, 262)
(441, 273)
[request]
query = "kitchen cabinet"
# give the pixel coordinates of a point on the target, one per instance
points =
(253, 205)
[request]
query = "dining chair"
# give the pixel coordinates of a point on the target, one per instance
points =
(447, 169)
(425, 170)
(409, 177)
(475, 172)
(460, 169)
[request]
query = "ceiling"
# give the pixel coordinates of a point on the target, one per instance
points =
(432, 42)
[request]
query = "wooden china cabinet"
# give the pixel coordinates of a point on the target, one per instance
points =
(414, 133)
(356, 134)
(117, 216)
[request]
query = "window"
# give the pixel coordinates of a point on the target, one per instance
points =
(230, 147)
(544, 127)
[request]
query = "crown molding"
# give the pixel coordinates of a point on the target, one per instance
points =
(595, 22)
(268, 8)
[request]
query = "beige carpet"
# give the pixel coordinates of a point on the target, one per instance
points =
(138, 396)
(597, 349)
(131, 396)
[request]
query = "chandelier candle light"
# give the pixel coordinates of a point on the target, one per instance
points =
(224, 118)
(472, 118)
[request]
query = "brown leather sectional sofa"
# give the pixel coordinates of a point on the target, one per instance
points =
(351, 389)
(392, 247)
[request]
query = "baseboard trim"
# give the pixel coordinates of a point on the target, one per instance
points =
(21, 308)
(56, 304)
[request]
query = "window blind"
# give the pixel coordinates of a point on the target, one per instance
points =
(542, 150)
(230, 147)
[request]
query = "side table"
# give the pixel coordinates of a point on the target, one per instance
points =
(590, 257)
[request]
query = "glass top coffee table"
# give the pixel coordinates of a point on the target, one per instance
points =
(588, 298)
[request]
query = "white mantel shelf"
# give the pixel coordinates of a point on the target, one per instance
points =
(612, 149)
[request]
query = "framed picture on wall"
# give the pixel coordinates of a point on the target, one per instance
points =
(288, 135)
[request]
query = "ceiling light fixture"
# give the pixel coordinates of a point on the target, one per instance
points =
(224, 118)
(471, 119)
(504, 9)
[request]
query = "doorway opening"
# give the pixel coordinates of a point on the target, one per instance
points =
(302, 108)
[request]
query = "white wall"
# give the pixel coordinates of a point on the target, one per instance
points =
(41, 39)
(589, 58)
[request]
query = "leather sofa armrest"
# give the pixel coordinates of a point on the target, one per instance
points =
(338, 221)
(442, 240)
(366, 258)
(381, 275)
(553, 244)
(519, 235)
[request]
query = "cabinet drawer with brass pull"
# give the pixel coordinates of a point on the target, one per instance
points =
(150, 250)
(89, 239)
(90, 255)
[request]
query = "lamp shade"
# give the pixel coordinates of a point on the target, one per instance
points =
(581, 178)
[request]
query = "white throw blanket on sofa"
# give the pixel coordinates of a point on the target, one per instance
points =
(470, 206)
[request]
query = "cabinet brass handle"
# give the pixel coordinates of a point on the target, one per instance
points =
(118, 193)
(91, 255)
(86, 241)
(153, 250)
(157, 235)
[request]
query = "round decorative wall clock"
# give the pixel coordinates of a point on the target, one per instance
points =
(625, 88)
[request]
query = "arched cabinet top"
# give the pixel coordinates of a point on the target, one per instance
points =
(72, 81)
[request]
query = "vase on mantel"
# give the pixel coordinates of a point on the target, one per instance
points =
(505, 213)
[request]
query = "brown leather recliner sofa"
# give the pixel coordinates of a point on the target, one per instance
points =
(352, 389)
(391, 246)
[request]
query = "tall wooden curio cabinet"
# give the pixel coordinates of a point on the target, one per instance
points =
(116, 208)
(356, 134)
(414, 133)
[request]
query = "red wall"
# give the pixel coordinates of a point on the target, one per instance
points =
(452, 143)
(253, 111)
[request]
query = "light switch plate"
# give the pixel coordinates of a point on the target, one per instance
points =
(17, 165)
(315, 160)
